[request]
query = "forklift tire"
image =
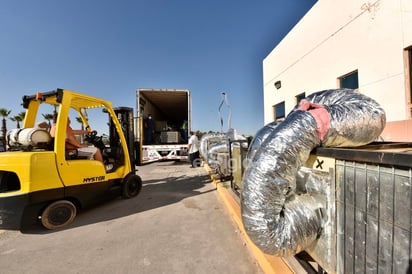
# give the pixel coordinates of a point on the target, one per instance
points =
(58, 214)
(132, 185)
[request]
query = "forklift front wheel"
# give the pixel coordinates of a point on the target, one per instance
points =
(58, 214)
(132, 185)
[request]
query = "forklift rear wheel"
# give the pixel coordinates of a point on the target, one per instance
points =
(131, 186)
(58, 214)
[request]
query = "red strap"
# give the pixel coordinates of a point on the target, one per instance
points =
(321, 115)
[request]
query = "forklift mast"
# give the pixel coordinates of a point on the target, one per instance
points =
(125, 118)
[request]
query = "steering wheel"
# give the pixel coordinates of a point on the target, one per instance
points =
(97, 141)
(91, 136)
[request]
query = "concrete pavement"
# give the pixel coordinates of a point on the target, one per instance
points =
(178, 224)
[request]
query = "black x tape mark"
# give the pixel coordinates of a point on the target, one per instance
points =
(320, 163)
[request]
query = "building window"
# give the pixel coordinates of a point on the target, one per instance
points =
(408, 78)
(299, 97)
(279, 111)
(349, 80)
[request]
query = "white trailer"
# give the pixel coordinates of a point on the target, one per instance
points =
(171, 112)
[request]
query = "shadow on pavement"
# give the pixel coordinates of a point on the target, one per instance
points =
(154, 194)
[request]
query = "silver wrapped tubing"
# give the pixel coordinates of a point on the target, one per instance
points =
(272, 215)
(208, 140)
(278, 220)
(212, 144)
(261, 136)
(214, 150)
(355, 118)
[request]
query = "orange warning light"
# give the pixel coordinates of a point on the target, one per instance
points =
(39, 96)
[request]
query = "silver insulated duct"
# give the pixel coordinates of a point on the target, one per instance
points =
(213, 152)
(208, 140)
(278, 220)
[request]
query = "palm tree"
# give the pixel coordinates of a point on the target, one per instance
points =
(49, 117)
(4, 113)
(18, 118)
(22, 115)
(80, 121)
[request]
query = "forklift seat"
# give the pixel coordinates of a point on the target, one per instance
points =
(73, 154)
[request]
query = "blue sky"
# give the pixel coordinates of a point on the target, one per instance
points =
(109, 49)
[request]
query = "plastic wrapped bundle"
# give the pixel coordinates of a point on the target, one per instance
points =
(277, 220)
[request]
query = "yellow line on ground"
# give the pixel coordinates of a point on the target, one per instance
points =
(268, 263)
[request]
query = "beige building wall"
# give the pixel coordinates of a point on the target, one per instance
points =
(337, 37)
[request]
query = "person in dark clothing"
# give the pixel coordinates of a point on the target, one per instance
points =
(183, 131)
(148, 130)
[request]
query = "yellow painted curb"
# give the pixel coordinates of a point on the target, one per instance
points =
(268, 263)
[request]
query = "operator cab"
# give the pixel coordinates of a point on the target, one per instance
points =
(102, 134)
(40, 181)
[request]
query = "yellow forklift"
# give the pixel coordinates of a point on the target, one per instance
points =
(41, 182)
